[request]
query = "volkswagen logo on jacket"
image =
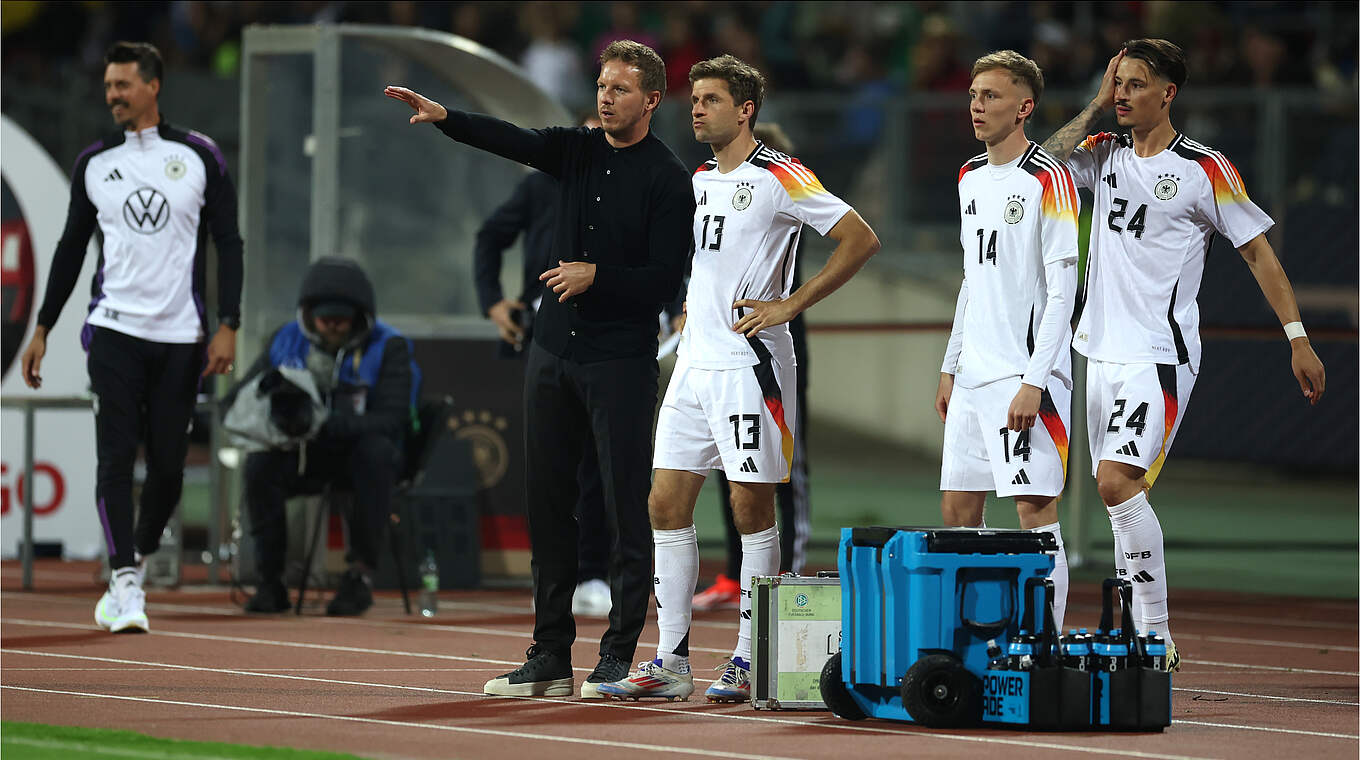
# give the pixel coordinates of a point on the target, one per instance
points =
(146, 210)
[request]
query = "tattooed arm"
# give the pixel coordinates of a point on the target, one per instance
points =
(1070, 135)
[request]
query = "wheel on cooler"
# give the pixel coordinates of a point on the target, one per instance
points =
(834, 693)
(938, 691)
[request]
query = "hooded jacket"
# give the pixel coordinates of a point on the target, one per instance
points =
(375, 383)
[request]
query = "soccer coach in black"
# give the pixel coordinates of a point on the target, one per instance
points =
(625, 209)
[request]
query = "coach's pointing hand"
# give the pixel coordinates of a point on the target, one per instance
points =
(569, 278)
(426, 110)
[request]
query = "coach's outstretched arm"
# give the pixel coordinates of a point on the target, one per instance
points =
(857, 242)
(1070, 135)
(1265, 267)
(539, 148)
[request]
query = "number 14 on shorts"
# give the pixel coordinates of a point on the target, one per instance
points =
(1021, 449)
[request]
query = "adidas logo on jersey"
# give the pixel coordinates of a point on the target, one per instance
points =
(1021, 479)
(1110, 180)
(749, 465)
(972, 208)
(113, 175)
(1129, 449)
(1143, 576)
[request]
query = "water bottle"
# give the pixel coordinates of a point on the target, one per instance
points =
(1021, 651)
(429, 585)
(1155, 647)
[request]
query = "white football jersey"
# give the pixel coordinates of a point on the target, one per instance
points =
(746, 228)
(1151, 226)
(1015, 218)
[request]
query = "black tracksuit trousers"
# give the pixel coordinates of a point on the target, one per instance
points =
(144, 393)
(565, 403)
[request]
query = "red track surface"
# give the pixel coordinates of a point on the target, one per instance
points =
(1265, 677)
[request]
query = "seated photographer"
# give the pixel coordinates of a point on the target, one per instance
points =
(365, 375)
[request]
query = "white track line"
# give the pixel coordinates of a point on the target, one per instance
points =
(1271, 730)
(1339, 702)
(1267, 622)
(690, 713)
(407, 627)
(163, 668)
(86, 749)
(509, 633)
(1268, 643)
(408, 724)
(1275, 668)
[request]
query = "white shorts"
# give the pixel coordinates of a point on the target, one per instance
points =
(739, 421)
(1134, 410)
(981, 454)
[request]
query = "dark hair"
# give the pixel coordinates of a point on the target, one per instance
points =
(144, 54)
(743, 80)
(1164, 58)
(644, 58)
(1022, 70)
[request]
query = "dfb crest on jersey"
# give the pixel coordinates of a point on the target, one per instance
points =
(741, 200)
(1015, 210)
(174, 168)
(1166, 188)
(146, 210)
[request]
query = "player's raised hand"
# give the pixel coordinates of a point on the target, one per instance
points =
(1024, 408)
(942, 395)
(1105, 97)
(426, 110)
(762, 314)
(1308, 370)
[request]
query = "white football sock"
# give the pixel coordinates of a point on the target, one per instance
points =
(1139, 542)
(759, 556)
(677, 573)
(1058, 576)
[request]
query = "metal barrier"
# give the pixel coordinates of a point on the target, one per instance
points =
(29, 406)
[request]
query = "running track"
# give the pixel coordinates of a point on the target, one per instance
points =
(1265, 677)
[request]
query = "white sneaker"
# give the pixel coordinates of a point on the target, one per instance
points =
(650, 680)
(592, 599)
(123, 607)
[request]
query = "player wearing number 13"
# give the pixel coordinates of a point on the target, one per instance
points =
(731, 404)
(1159, 198)
(1006, 382)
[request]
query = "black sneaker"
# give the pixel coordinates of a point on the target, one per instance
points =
(609, 670)
(354, 596)
(270, 596)
(545, 674)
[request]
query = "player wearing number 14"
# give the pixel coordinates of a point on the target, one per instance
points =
(1006, 382)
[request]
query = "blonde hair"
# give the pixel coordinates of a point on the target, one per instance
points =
(1022, 70)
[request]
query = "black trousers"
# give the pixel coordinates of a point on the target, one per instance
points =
(144, 393)
(367, 466)
(792, 500)
(595, 536)
(565, 404)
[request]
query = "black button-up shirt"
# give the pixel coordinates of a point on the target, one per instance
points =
(627, 210)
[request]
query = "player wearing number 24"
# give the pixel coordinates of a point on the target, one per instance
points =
(1159, 197)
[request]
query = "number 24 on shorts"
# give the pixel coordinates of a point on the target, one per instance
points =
(1136, 421)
